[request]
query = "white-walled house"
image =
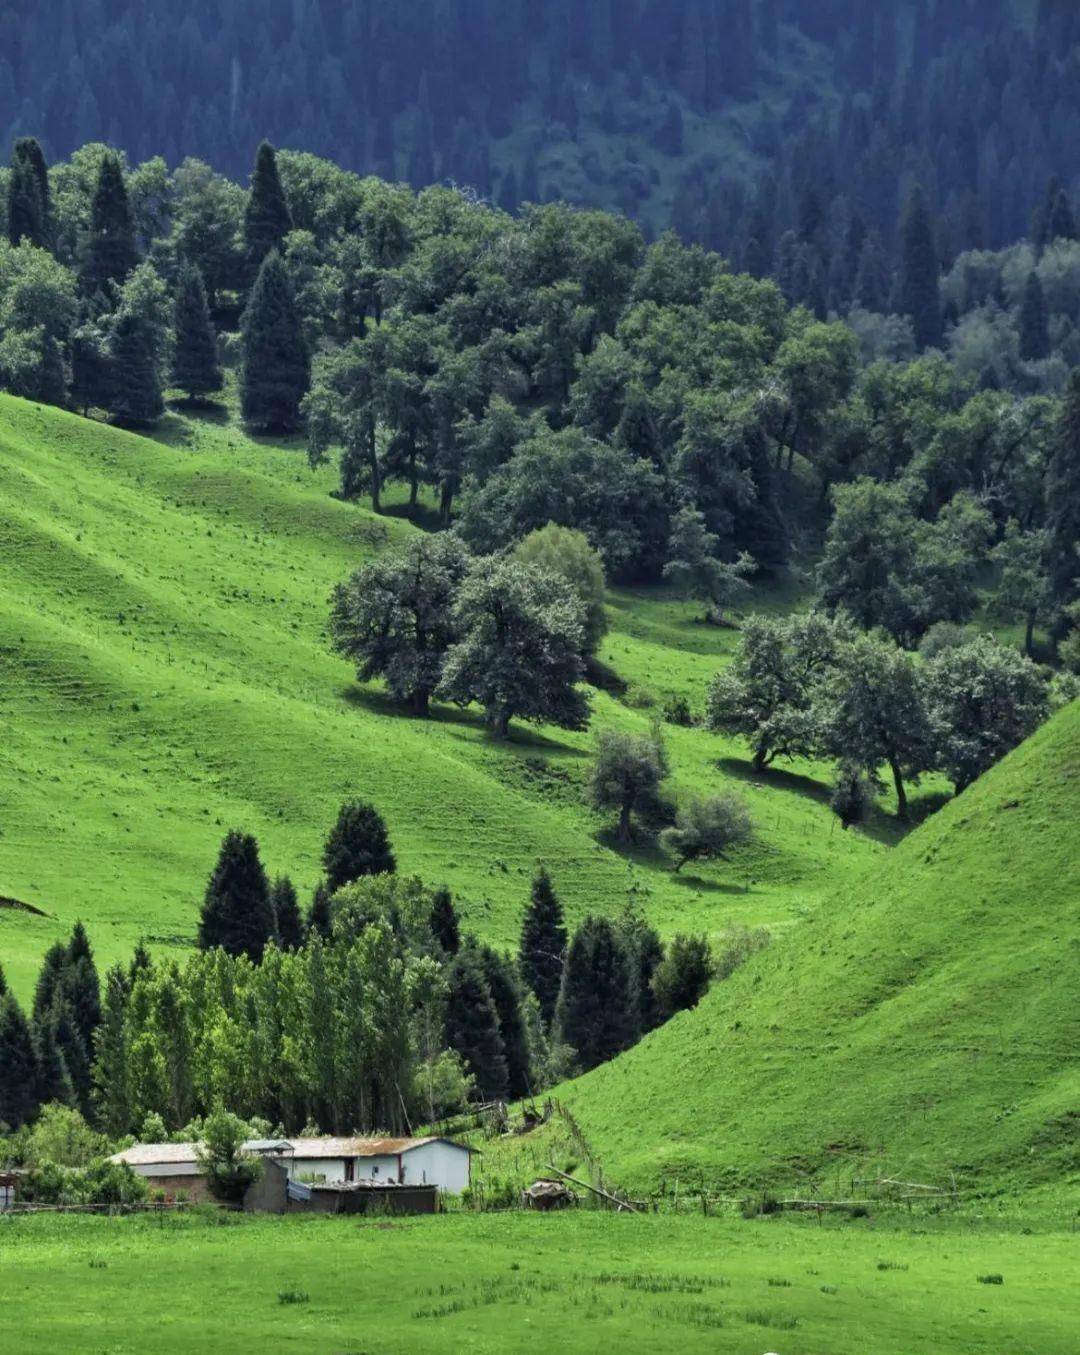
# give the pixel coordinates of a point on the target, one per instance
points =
(389, 1161)
(405, 1162)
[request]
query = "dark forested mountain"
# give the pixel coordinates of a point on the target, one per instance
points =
(784, 132)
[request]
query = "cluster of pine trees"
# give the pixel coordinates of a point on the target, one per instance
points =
(370, 1011)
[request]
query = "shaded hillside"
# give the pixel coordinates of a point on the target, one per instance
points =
(924, 1022)
(165, 676)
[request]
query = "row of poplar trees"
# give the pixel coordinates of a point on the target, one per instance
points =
(372, 1011)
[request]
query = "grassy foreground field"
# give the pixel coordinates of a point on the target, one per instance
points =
(165, 676)
(519, 1283)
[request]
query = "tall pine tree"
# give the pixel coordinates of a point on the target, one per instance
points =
(276, 371)
(29, 197)
(472, 1024)
(110, 251)
(266, 217)
(543, 944)
(237, 914)
(195, 368)
(135, 399)
(597, 1010)
(18, 1066)
(502, 982)
(82, 986)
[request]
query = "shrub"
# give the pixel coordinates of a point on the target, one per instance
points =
(991, 1279)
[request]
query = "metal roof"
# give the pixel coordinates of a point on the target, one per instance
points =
(173, 1154)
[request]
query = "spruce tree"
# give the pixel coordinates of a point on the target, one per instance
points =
(1034, 332)
(18, 1066)
(110, 251)
(50, 980)
(502, 982)
(75, 1054)
(290, 925)
(237, 914)
(82, 986)
(919, 290)
(276, 370)
(444, 922)
(320, 918)
(1063, 505)
(134, 396)
(543, 944)
(141, 962)
(266, 217)
(53, 1081)
(195, 369)
(29, 212)
(596, 1013)
(91, 367)
(358, 845)
(472, 1024)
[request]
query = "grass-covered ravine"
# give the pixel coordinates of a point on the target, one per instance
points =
(518, 1283)
(167, 675)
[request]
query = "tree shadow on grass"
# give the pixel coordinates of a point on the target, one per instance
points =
(774, 776)
(523, 738)
(378, 701)
(881, 826)
(424, 516)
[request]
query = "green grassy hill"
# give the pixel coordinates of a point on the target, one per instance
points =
(164, 676)
(925, 1022)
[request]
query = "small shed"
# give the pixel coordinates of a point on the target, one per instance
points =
(275, 1193)
(9, 1182)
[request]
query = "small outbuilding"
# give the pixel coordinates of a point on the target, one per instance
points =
(8, 1183)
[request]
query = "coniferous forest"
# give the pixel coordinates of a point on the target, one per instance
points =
(740, 122)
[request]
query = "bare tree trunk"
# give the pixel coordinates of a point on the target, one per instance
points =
(901, 793)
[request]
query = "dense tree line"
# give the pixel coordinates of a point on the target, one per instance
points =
(373, 1012)
(550, 369)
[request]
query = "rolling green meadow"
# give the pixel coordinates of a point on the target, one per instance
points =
(515, 1283)
(167, 676)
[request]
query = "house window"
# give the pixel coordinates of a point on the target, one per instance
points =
(350, 1168)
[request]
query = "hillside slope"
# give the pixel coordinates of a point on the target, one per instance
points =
(165, 676)
(925, 1022)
